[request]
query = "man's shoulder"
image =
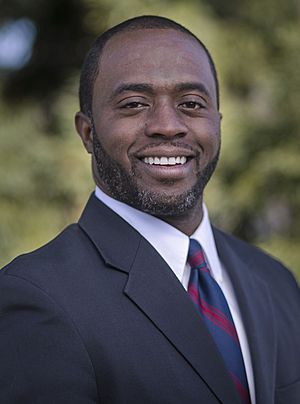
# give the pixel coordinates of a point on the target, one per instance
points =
(46, 261)
(261, 263)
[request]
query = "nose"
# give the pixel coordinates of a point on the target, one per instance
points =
(164, 120)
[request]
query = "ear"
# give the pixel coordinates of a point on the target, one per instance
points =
(85, 131)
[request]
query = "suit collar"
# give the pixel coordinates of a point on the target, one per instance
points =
(168, 241)
(105, 228)
(156, 291)
(255, 304)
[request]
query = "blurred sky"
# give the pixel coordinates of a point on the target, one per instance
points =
(16, 41)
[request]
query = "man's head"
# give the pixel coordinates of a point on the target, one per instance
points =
(149, 116)
(90, 66)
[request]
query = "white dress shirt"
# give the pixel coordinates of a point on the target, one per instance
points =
(173, 247)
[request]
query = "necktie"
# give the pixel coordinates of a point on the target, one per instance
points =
(212, 306)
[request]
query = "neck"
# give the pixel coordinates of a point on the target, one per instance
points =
(188, 222)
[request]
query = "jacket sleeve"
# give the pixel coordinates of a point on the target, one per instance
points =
(43, 359)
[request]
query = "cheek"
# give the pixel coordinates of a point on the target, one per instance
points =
(116, 141)
(215, 140)
(209, 137)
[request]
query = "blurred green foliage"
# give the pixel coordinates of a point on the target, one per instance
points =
(45, 173)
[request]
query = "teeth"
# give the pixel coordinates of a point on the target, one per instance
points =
(165, 161)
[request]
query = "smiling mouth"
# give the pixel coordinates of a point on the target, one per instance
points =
(165, 161)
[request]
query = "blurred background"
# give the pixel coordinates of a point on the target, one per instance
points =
(44, 171)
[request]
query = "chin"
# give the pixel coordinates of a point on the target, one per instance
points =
(166, 204)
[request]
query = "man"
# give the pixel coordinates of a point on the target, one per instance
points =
(142, 301)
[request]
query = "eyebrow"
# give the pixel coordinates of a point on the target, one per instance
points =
(147, 88)
(135, 87)
(200, 87)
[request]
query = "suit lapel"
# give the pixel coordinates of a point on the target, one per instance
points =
(157, 292)
(256, 309)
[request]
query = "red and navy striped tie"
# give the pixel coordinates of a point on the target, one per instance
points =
(212, 306)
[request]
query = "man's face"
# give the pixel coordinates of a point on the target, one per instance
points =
(156, 125)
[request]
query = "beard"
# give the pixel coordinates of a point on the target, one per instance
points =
(123, 186)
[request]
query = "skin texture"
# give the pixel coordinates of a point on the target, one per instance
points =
(154, 96)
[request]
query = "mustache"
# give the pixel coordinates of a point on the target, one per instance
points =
(171, 144)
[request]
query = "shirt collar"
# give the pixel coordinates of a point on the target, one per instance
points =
(204, 235)
(169, 242)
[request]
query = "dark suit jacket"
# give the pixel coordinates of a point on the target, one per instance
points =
(97, 316)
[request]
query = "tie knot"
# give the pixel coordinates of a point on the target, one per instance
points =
(196, 257)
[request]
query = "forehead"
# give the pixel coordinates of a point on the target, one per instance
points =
(159, 57)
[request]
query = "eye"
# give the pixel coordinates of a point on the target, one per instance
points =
(134, 105)
(191, 105)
